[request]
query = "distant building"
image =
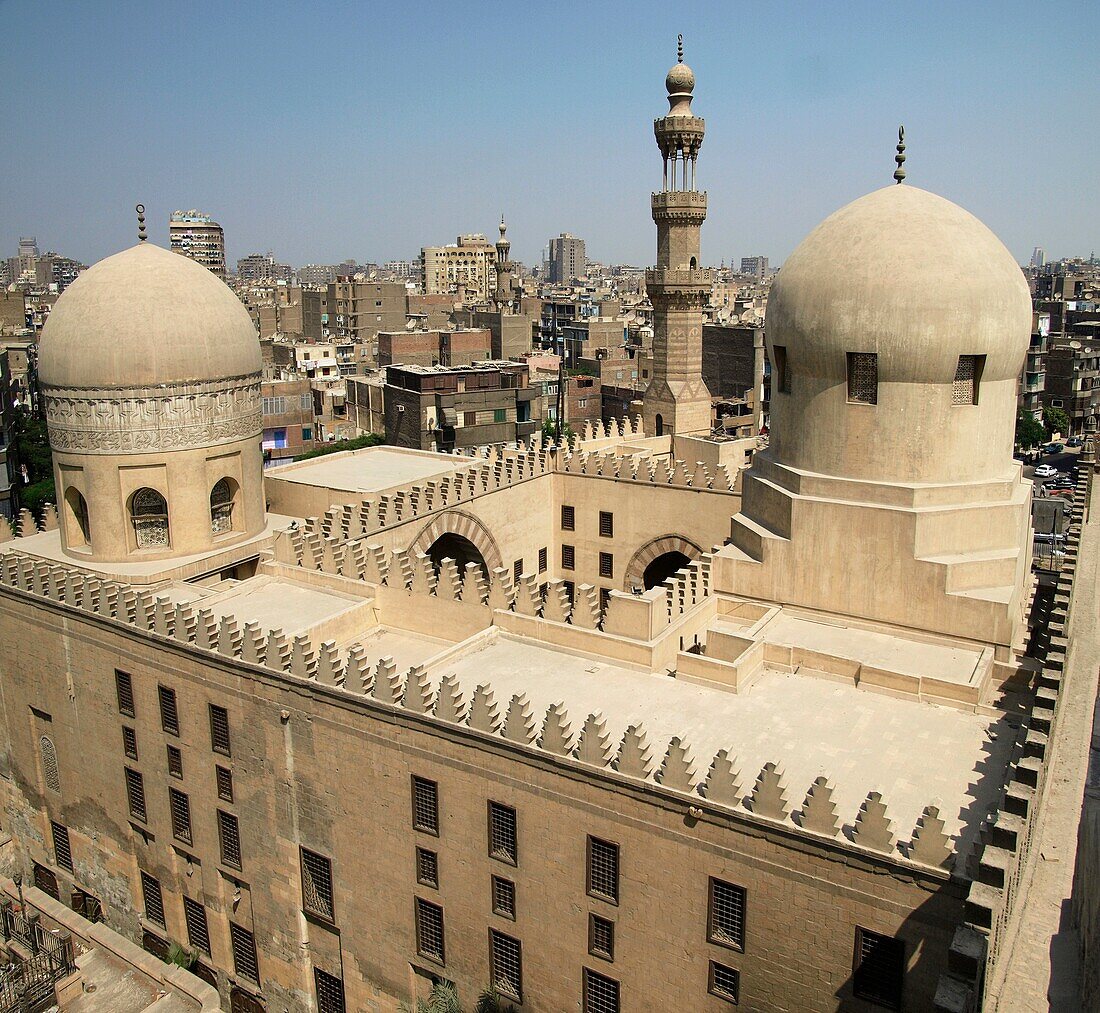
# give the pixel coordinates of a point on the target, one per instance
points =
(468, 266)
(756, 266)
(1072, 369)
(262, 267)
(28, 255)
(434, 348)
(196, 235)
(52, 269)
(1033, 374)
(316, 274)
(289, 429)
(358, 310)
(567, 259)
(1038, 257)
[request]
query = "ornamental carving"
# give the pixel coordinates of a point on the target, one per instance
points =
(142, 420)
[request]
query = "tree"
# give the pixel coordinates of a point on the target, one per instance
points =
(1029, 431)
(550, 431)
(31, 450)
(1056, 421)
(337, 446)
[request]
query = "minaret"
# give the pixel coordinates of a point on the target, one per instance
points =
(677, 399)
(505, 284)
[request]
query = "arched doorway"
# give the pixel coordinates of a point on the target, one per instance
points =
(458, 548)
(464, 525)
(658, 560)
(663, 567)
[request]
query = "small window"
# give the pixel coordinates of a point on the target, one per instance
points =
(427, 867)
(169, 716)
(603, 870)
(175, 762)
(724, 982)
(862, 378)
(429, 930)
(219, 730)
(154, 901)
(542, 560)
(149, 516)
(46, 881)
(726, 915)
(601, 937)
(124, 687)
(879, 969)
(317, 896)
(245, 963)
(135, 795)
(517, 570)
(180, 806)
(568, 557)
(607, 524)
(62, 851)
(499, 415)
(502, 832)
(307, 434)
(224, 778)
(229, 837)
(568, 519)
(425, 805)
(221, 507)
(330, 992)
(570, 590)
(129, 742)
(49, 764)
(964, 389)
(506, 965)
(504, 897)
(607, 564)
(782, 383)
(198, 934)
(601, 994)
(605, 598)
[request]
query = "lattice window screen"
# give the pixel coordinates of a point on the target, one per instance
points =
(863, 377)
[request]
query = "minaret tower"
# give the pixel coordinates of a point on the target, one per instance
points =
(505, 283)
(677, 399)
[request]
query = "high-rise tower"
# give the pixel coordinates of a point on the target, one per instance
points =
(677, 399)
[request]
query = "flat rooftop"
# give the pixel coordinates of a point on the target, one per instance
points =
(373, 469)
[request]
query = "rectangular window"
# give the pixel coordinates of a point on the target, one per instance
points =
(317, 896)
(198, 935)
(568, 519)
(862, 378)
(219, 730)
(135, 795)
(601, 994)
(425, 805)
(726, 915)
(517, 570)
(224, 779)
(607, 564)
(429, 930)
(330, 992)
(968, 374)
(603, 870)
(504, 897)
(601, 937)
(724, 982)
(502, 832)
(245, 963)
(62, 852)
(469, 418)
(605, 598)
(124, 687)
(129, 742)
(542, 560)
(879, 969)
(782, 375)
(568, 557)
(180, 806)
(506, 965)
(169, 716)
(175, 762)
(427, 867)
(498, 415)
(607, 524)
(229, 836)
(570, 590)
(154, 901)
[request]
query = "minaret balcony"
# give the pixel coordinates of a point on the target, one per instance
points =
(665, 279)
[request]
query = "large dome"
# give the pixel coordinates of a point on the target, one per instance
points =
(146, 317)
(910, 276)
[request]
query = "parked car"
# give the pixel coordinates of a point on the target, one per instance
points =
(1063, 491)
(1046, 538)
(1075, 441)
(1046, 471)
(1053, 448)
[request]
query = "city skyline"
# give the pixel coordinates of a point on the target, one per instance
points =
(801, 108)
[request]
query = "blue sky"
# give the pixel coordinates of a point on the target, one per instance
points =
(331, 130)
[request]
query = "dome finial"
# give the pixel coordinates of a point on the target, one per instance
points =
(899, 172)
(140, 209)
(679, 49)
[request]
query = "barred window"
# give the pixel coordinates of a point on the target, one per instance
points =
(724, 982)
(863, 378)
(198, 935)
(129, 742)
(570, 590)
(879, 969)
(726, 915)
(229, 836)
(62, 852)
(49, 764)
(506, 965)
(317, 896)
(601, 994)
(568, 557)
(504, 897)
(517, 570)
(180, 807)
(224, 778)
(568, 518)
(427, 867)
(603, 869)
(964, 389)
(135, 795)
(124, 688)
(782, 383)
(175, 762)
(601, 937)
(542, 560)
(607, 524)
(607, 564)
(154, 900)
(605, 598)
(429, 930)
(425, 805)
(502, 832)
(330, 992)
(219, 730)
(169, 716)
(245, 962)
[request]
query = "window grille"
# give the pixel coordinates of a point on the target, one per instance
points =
(726, 919)
(964, 389)
(426, 805)
(607, 524)
(502, 832)
(180, 807)
(542, 560)
(504, 897)
(863, 377)
(154, 900)
(603, 869)
(601, 994)
(506, 965)
(330, 992)
(427, 867)
(317, 885)
(570, 590)
(221, 507)
(149, 515)
(229, 836)
(198, 935)
(879, 968)
(129, 742)
(724, 982)
(124, 687)
(601, 937)
(224, 779)
(245, 962)
(49, 764)
(607, 564)
(429, 930)
(62, 851)
(568, 518)
(135, 795)
(175, 762)
(517, 570)
(605, 599)
(219, 730)
(568, 557)
(169, 715)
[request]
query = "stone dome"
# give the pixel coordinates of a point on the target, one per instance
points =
(910, 276)
(145, 317)
(680, 79)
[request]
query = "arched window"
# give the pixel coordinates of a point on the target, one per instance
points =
(221, 507)
(49, 764)
(78, 510)
(149, 514)
(660, 426)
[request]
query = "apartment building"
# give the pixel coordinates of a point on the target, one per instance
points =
(467, 268)
(195, 235)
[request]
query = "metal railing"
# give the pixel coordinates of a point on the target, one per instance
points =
(27, 985)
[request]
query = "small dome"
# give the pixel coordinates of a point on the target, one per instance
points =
(680, 79)
(145, 317)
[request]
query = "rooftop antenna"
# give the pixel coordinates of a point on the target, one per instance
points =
(140, 209)
(899, 172)
(679, 49)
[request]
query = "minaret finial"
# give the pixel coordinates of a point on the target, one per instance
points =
(899, 172)
(140, 209)
(679, 49)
